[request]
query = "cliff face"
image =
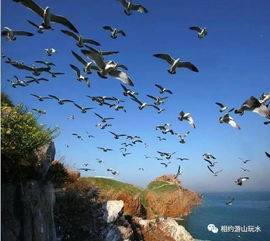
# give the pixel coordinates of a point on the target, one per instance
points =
(27, 207)
(162, 229)
(163, 197)
(166, 197)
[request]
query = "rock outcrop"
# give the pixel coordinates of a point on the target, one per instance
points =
(162, 229)
(27, 206)
(112, 210)
(166, 197)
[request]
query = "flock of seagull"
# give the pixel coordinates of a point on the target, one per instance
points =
(93, 60)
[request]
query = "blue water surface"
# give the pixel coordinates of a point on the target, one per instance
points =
(248, 209)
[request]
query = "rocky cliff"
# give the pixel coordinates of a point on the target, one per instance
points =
(27, 206)
(165, 196)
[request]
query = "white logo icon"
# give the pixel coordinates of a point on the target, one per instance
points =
(212, 228)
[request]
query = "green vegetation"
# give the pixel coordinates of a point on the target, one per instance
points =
(110, 184)
(21, 136)
(161, 186)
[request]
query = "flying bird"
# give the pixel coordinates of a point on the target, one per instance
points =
(239, 181)
(10, 34)
(104, 119)
(163, 90)
(87, 65)
(212, 164)
(244, 161)
(60, 101)
(178, 172)
(214, 173)
(36, 80)
(187, 117)
(117, 136)
(79, 76)
(158, 100)
(104, 149)
(85, 169)
(208, 156)
(182, 158)
(109, 67)
(229, 120)
(230, 201)
(41, 98)
(114, 31)
(254, 105)
(165, 164)
(39, 28)
(43, 112)
(176, 63)
(83, 109)
(129, 7)
(80, 40)
(46, 15)
(245, 170)
(202, 32)
(50, 51)
(128, 91)
(223, 107)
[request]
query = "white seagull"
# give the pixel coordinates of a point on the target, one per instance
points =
(202, 32)
(176, 63)
(132, 7)
(114, 31)
(10, 34)
(187, 117)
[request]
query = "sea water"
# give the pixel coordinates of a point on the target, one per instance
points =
(247, 219)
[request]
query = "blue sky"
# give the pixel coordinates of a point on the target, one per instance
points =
(233, 60)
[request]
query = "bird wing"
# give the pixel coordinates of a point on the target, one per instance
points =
(22, 33)
(152, 97)
(136, 100)
(208, 161)
(91, 41)
(96, 57)
(108, 28)
(55, 97)
(99, 116)
(166, 57)
(198, 29)
(35, 95)
(121, 76)
(78, 106)
(109, 52)
(178, 171)
(220, 104)
(121, 32)
(139, 8)
(76, 69)
(233, 124)
(67, 101)
(32, 23)
(188, 65)
(210, 169)
(62, 20)
(71, 34)
(159, 86)
(32, 6)
(123, 2)
(267, 154)
(79, 58)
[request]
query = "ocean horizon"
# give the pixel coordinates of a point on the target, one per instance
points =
(246, 219)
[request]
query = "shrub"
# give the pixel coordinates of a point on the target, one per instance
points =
(21, 136)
